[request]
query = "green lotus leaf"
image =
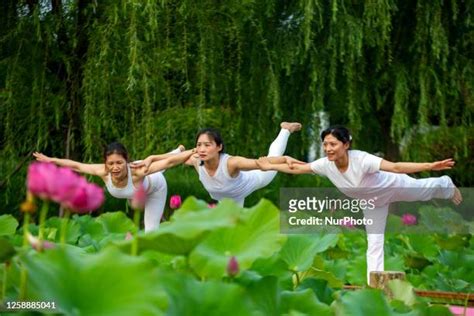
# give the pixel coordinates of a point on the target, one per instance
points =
(424, 244)
(362, 303)
(431, 310)
(274, 266)
(357, 270)
(256, 236)
(402, 291)
(163, 242)
(54, 226)
(394, 262)
(7, 250)
(268, 299)
(8, 225)
(187, 296)
(400, 307)
(303, 302)
(186, 230)
(453, 242)
(191, 204)
(416, 261)
(320, 287)
(87, 241)
(107, 283)
(327, 276)
(189, 223)
(177, 263)
(91, 226)
(339, 268)
(299, 250)
(111, 239)
(114, 222)
(265, 295)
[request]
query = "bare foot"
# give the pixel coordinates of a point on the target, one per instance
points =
(457, 197)
(291, 126)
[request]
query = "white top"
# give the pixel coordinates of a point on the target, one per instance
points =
(222, 185)
(127, 191)
(363, 178)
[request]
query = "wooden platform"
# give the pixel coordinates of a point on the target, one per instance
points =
(462, 298)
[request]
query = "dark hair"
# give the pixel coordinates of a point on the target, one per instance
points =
(115, 148)
(213, 134)
(340, 132)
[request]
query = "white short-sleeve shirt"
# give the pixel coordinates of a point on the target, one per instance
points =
(363, 177)
(361, 165)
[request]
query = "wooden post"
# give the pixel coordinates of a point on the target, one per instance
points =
(380, 279)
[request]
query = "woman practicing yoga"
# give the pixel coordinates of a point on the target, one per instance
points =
(122, 181)
(233, 177)
(361, 175)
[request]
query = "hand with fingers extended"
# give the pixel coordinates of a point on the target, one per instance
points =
(442, 164)
(42, 157)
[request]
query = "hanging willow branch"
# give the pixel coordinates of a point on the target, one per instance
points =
(151, 73)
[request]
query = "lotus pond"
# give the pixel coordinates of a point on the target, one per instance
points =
(223, 260)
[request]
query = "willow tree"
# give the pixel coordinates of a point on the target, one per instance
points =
(75, 75)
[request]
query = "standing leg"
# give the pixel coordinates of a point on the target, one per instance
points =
(375, 238)
(277, 148)
(156, 200)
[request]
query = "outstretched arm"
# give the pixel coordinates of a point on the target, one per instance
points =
(152, 158)
(92, 169)
(236, 163)
(265, 163)
(165, 163)
(290, 161)
(412, 167)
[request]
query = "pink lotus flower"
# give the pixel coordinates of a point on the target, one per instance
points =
(175, 201)
(139, 198)
(39, 245)
(211, 205)
(86, 198)
(63, 186)
(408, 219)
(461, 310)
(40, 178)
(232, 267)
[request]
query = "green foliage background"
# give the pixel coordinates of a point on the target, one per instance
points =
(75, 75)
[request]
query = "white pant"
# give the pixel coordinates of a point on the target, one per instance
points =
(413, 190)
(155, 201)
(156, 198)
